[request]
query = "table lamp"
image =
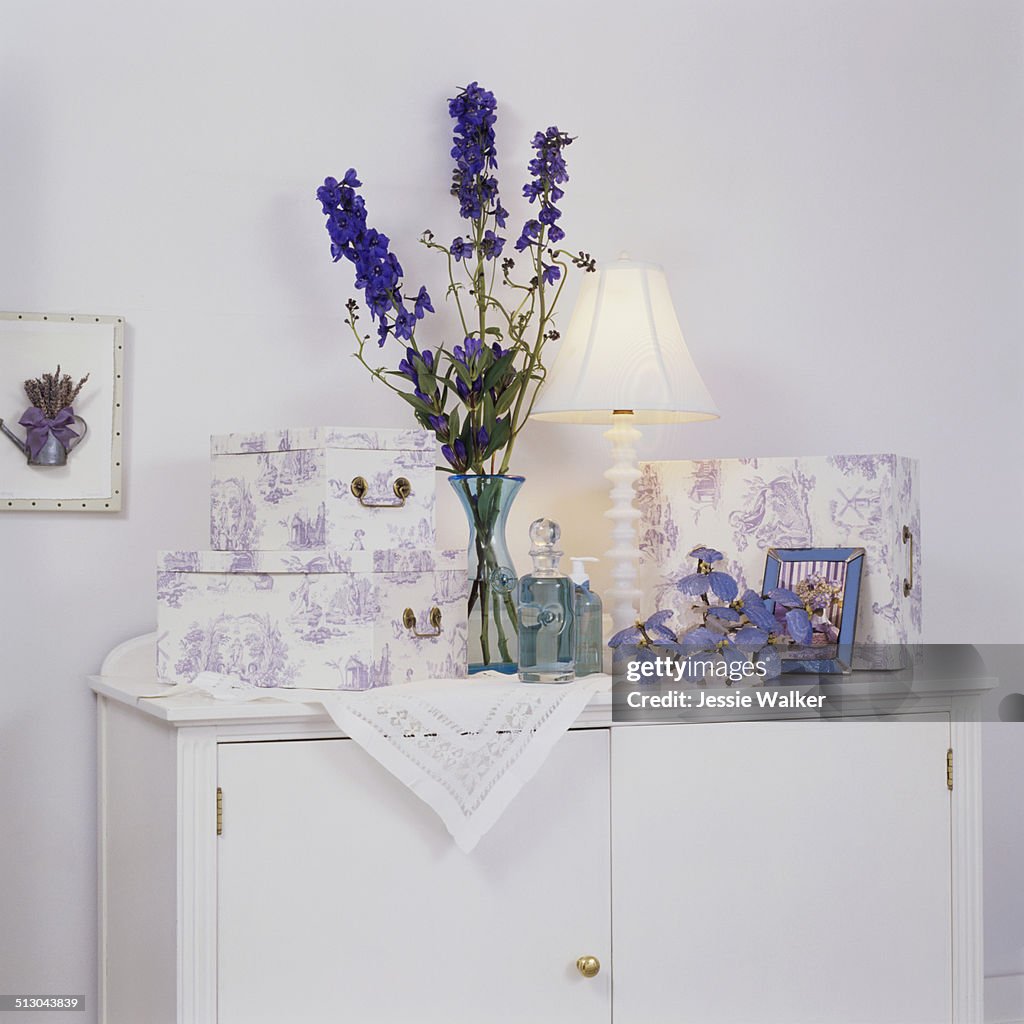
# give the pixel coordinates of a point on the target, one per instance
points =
(624, 362)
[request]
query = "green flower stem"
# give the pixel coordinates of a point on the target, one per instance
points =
(490, 602)
(499, 626)
(513, 617)
(534, 356)
(485, 639)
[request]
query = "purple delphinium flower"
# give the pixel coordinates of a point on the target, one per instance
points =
(548, 171)
(406, 368)
(473, 347)
(551, 273)
(423, 303)
(405, 324)
(474, 111)
(421, 384)
(492, 245)
(461, 249)
(530, 233)
(377, 270)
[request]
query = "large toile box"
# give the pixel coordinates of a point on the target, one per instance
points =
(330, 619)
(743, 507)
(322, 487)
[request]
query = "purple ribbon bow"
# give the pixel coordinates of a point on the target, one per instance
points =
(39, 428)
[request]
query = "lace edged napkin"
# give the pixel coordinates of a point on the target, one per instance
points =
(464, 747)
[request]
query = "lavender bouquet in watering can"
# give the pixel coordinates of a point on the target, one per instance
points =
(474, 392)
(49, 422)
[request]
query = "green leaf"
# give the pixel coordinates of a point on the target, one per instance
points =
(499, 370)
(467, 434)
(487, 416)
(467, 377)
(493, 330)
(498, 439)
(507, 397)
(417, 404)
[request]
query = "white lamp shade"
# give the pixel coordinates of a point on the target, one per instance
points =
(624, 350)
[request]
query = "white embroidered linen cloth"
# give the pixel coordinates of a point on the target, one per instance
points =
(466, 747)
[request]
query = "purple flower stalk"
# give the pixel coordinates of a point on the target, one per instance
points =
(378, 272)
(549, 172)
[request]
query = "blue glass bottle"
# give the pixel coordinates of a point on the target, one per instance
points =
(546, 612)
(589, 649)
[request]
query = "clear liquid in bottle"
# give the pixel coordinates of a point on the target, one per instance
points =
(546, 612)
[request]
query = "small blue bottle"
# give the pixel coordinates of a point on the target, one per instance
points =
(546, 612)
(589, 654)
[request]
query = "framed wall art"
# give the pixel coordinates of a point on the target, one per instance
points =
(61, 388)
(827, 583)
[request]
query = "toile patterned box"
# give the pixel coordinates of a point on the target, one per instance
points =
(337, 488)
(743, 507)
(348, 620)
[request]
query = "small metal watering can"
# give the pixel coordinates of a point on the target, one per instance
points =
(48, 442)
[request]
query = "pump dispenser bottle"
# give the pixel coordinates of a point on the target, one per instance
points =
(589, 654)
(546, 611)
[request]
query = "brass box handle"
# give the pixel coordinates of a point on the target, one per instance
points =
(402, 489)
(908, 584)
(588, 966)
(434, 617)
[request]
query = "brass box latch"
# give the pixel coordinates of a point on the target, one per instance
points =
(401, 489)
(434, 617)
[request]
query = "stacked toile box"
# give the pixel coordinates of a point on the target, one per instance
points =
(336, 488)
(347, 620)
(323, 573)
(743, 507)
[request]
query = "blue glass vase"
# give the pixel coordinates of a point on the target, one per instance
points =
(493, 623)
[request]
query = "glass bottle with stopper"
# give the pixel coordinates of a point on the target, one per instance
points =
(546, 611)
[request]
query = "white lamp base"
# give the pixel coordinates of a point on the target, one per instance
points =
(622, 598)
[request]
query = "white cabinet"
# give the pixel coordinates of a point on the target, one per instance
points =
(783, 872)
(796, 871)
(341, 896)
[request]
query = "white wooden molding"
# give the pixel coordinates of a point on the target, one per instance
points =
(197, 875)
(101, 854)
(966, 827)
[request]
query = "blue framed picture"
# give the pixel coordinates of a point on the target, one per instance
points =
(827, 583)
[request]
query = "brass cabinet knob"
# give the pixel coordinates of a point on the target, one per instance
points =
(588, 966)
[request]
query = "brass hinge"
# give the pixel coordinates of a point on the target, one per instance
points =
(949, 769)
(220, 810)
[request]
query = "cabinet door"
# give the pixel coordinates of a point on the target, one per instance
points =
(790, 872)
(342, 896)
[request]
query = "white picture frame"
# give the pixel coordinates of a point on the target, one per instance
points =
(35, 343)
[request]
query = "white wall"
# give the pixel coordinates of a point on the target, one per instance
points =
(834, 189)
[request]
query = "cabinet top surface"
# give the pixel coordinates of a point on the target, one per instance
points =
(128, 677)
